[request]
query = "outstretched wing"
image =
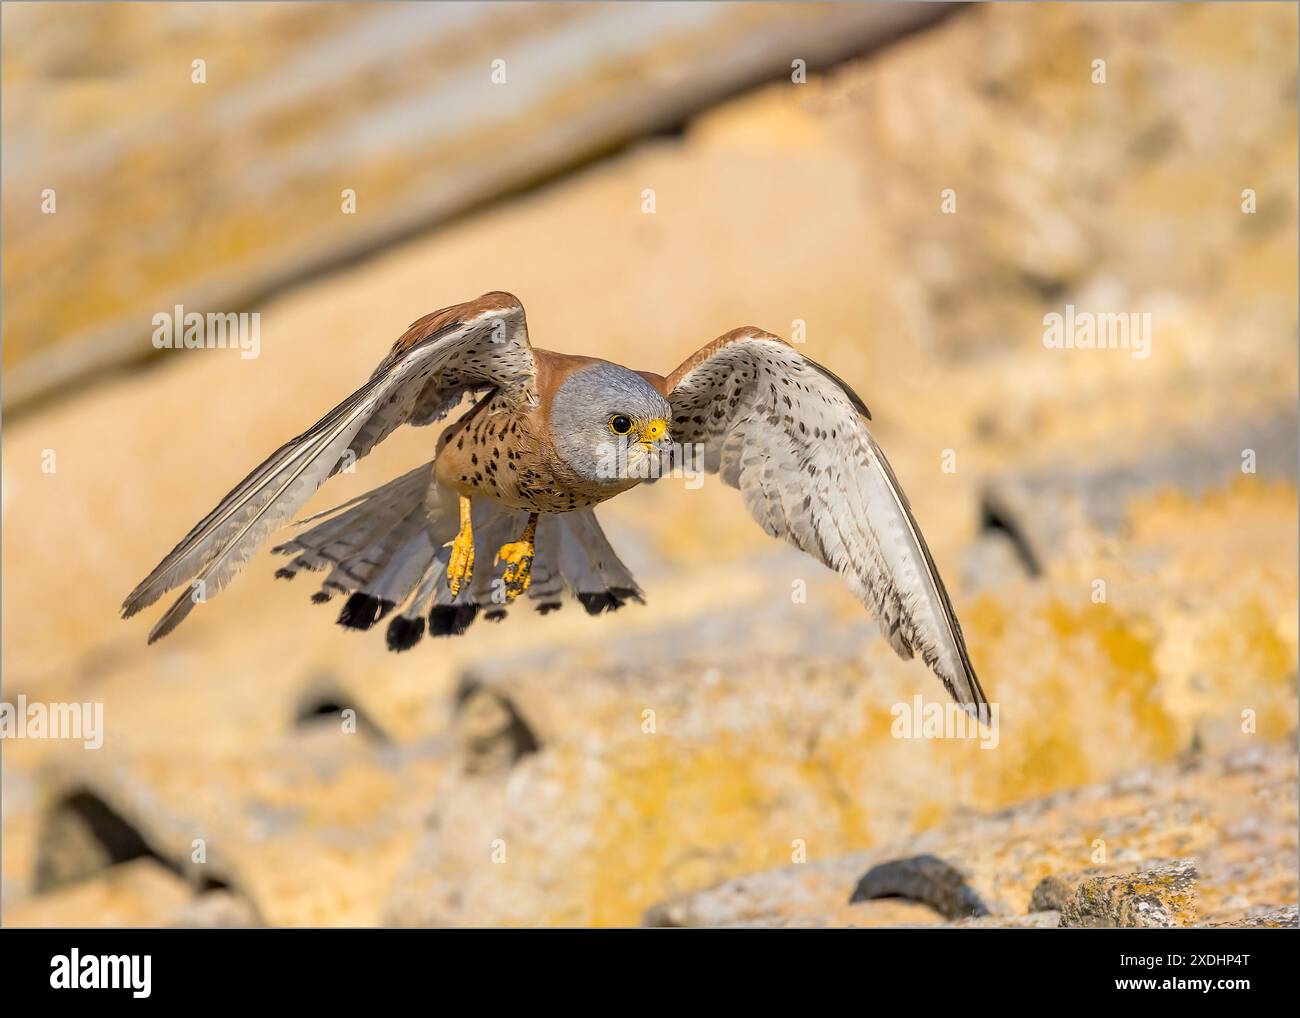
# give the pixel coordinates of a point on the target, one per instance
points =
(793, 438)
(480, 344)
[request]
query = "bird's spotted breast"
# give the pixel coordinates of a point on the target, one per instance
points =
(498, 451)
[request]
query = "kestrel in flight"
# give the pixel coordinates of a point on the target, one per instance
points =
(548, 437)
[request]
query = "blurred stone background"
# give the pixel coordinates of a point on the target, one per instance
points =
(507, 777)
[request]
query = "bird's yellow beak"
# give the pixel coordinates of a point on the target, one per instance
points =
(654, 430)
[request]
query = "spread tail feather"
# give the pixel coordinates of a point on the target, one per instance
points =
(387, 551)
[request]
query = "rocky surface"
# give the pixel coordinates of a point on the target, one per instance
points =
(1190, 843)
(1127, 586)
(1157, 898)
(1283, 918)
(418, 111)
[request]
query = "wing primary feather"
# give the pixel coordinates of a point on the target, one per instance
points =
(185, 603)
(158, 582)
(974, 695)
(793, 437)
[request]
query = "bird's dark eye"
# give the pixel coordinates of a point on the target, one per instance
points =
(620, 424)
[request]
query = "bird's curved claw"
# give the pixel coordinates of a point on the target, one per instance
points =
(460, 566)
(518, 574)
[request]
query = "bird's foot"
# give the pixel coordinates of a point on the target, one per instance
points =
(460, 567)
(518, 574)
(518, 557)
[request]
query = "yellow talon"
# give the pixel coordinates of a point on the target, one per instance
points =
(460, 567)
(518, 557)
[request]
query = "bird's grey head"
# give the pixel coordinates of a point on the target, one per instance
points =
(610, 425)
